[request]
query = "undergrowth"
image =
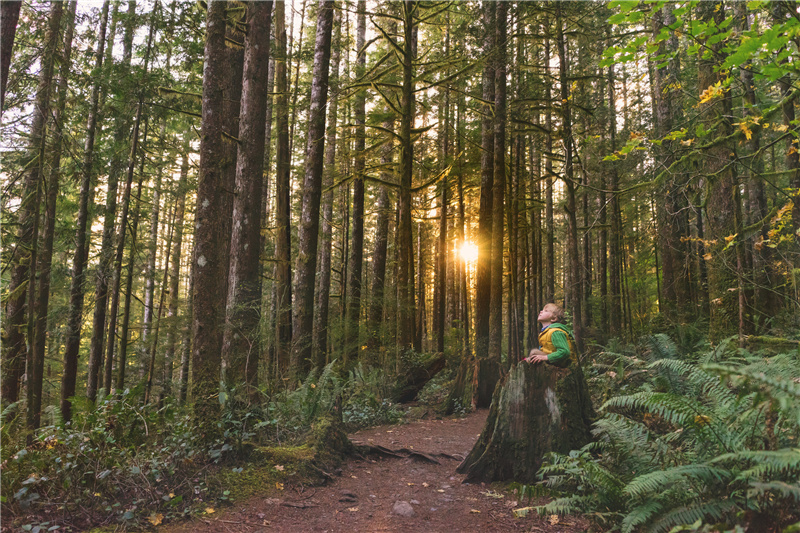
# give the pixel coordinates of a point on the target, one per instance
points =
(699, 441)
(124, 464)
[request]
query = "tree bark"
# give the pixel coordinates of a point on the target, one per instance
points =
(208, 282)
(355, 266)
(126, 201)
(405, 302)
(52, 187)
(283, 278)
(10, 16)
(574, 290)
(323, 288)
(69, 378)
(308, 232)
(20, 288)
(722, 191)
(485, 371)
(498, 194)
(535, 410)
(104, 273)
(174, 279)
(241, 347)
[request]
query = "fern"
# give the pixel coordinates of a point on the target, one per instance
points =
(787, 490)
(640, 515)
(653, 482)
(782, 462)
(691, 513)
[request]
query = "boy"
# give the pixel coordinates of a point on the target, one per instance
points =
(555, 340)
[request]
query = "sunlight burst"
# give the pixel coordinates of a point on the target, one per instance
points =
(468, 252)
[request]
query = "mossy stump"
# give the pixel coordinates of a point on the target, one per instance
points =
(536, 409)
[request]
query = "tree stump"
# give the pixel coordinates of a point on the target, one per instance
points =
(536, 409)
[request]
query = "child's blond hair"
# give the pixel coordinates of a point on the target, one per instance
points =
(558, 312)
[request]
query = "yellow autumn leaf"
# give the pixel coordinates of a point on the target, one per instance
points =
(701, 420)
(279, 486)
(474, 511)
(553, 519)
(171, 495)
(352, 509)
(155, 518)
(729, 238)
(522, 512)
(210, 510)
(713, 91)
(708, 257)
(748, 133)
(782, 127)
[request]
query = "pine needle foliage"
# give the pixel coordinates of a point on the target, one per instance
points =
(706, 439)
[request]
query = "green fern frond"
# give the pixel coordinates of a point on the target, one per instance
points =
(689, 514)
(787, 490)
(640, 514)
(565, 506)
(662, 347)
(676, 409)
(654, 482)
(709, 384)
(781, 462)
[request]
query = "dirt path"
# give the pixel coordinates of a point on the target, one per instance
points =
(379, 494)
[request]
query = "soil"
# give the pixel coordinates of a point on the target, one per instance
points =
(372, 493)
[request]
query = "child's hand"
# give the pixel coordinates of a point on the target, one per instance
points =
(536, 359)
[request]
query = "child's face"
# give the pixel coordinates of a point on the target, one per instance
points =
(547, 314)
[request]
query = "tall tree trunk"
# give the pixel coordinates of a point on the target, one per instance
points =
(355, 265)
(574, 290)
(323, 288)
(122, 357)
(208, 282)
(614, 252)
(550, 281)
(46, 253)
(485, 373)
(104, 274)
(282, 193)
(69, 378)
(240, 347)
(762, 297)
(174, 279)
(669, 208)
(9, 12)
(308, 233)
(722, 192)
(498, 192)
(23, 272)
(126, 200)
(379, 254)
(150, 264)
(405, 332)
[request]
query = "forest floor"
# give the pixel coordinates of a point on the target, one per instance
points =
(388, 494)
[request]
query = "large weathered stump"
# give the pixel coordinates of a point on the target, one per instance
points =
(535, 410)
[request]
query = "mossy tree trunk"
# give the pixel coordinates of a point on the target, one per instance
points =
(535, 410)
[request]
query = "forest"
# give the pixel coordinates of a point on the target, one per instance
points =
(236, 232)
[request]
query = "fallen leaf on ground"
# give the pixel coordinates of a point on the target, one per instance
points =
(553, 519)
(425, 485)
(474, 511)
(155, 519)
(279, 485)
(522, 512)
(210, 510)
(352, 509)
(280, 468)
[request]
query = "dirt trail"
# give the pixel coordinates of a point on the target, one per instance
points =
(378, 494)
